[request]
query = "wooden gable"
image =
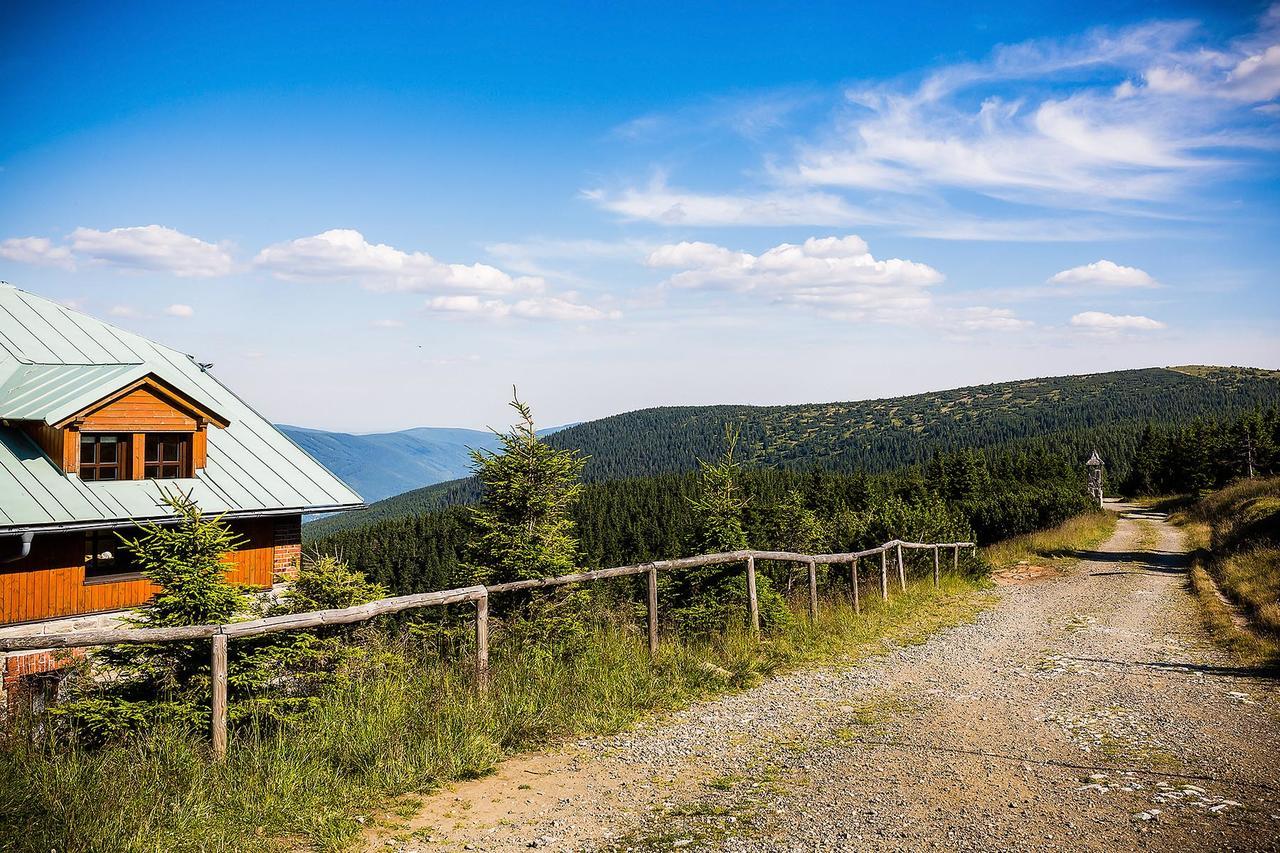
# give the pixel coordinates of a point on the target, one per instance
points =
(147, 405)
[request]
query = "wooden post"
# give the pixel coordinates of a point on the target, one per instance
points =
(751, 595)
(653, 610)
(902, 571)
(482, 643)
(936, 570)
(853, 579)
(884, 575)
(813, 590)
(955, 559)
(219, 666)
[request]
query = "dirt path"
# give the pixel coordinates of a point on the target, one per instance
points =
(1083, 712)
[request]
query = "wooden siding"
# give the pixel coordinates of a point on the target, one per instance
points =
(141, 410)
(54, 443)
(50, 582)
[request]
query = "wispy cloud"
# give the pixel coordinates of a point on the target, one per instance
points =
(470, 289)
(534, 308)
(1119, 124)
(1100, 321)
(659, 203)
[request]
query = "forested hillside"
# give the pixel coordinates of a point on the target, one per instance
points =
(1070, 414)
(991, 495)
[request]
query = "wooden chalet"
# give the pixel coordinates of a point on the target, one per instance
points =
(94, 422)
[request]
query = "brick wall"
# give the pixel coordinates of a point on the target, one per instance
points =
(18, 666)
(287, 553)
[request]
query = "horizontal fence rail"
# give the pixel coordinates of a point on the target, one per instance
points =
(220, 634)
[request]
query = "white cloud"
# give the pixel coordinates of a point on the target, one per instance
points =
(152, 248)
(831, 273)
(981, 318)
(1099, 321)
(1103, 273)
(38, 251)
(179, 310)
(474, 289)
(345, 254)
(535, 308)
(123, 311)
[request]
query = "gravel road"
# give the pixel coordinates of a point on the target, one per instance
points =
(1086, 711)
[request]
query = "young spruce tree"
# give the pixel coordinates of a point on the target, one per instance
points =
(523, 526)
(187, 560)
(705, 600)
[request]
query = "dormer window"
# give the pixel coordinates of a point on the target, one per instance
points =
(168, 456)
(104, 457)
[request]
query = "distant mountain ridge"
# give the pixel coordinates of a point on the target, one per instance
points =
(379, 465)
(879, 435)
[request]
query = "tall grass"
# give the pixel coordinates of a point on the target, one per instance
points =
(408, 720)
(1236, 533)
(1064, 542)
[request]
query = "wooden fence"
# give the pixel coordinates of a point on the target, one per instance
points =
(220, 634)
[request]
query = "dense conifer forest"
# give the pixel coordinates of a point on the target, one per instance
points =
(806, 491)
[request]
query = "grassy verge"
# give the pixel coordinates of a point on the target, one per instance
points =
(1235, 534)
(407, 721)
(1058, 546)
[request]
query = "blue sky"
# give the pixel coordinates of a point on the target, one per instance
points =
(383, 215)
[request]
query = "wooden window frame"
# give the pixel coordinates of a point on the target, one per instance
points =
(124, 456)
(95, 543)
(157, 467)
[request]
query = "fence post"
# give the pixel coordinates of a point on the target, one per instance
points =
(936, 570)
(955, 559)
(813, 590)
(884, 575)
(902, 571)
(751, 595)
(482, 643)
(219, 673)
(653, 610)
(853, 577)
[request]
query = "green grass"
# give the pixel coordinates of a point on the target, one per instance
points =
(1059, 544)
(1235, 533)
(405, 722)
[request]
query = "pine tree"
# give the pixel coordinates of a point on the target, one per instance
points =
(523, 524)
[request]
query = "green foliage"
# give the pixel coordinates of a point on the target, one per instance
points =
(719, 504)
(280, 675)
(167, 682)
(1192, 457)
(703, 601)
(269, 677)
(325, 582)
(1069, 414)
(188, 561)
(522, 524)
(404, 719)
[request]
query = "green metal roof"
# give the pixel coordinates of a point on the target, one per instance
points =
(55, 361)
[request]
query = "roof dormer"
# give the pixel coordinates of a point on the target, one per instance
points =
(110, 422)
